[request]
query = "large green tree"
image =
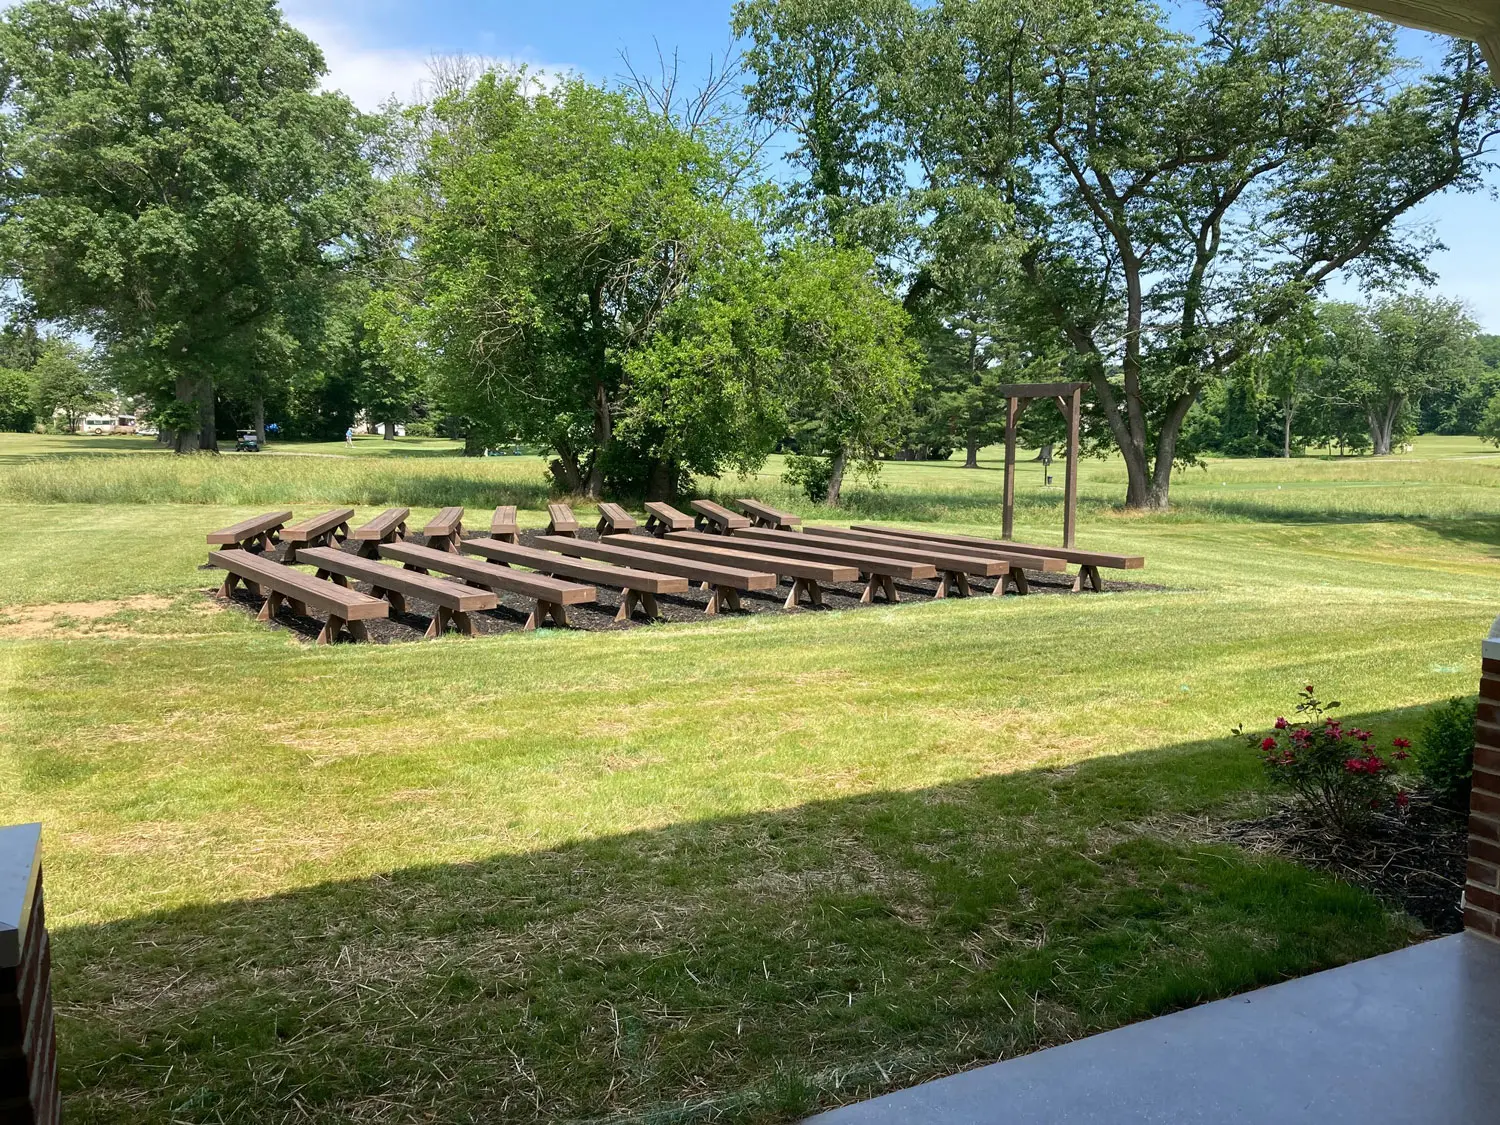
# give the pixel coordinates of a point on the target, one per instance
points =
(1177, 193)
(564, 241)
(175, 185)
(1383, 359)
(67, 382)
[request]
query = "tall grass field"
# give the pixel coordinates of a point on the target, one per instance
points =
(735, 870)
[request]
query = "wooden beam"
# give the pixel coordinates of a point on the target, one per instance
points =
(1070, 478)
(1040, 390)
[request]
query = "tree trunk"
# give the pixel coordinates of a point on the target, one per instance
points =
(258, 413)
(971, 454)
(473, 446)
(1286, 429)
(187, 439)
(603, 432)
(565, 468)
(661, 484)
(836, 478)
(207, 420)
(390, 431)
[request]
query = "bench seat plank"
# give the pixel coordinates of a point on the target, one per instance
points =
(983, 563)
(389, 522)
(445, 530)
(537, 586)
(716, 515)
(318, 531)
(263, 530)
(503, 524)
(766, 516)
(1067, 554)
(613, 518)
(869, 561)
(785, 567)
(439, 591)
(556, 564)
(612, 550)
(561, 520)
(662, 518)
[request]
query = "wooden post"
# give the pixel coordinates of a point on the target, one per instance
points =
(1008, 517)
(1070, 482)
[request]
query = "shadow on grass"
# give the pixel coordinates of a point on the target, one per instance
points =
(753, 967)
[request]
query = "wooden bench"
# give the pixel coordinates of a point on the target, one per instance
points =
(662, 518)
(880, 571)
(613, 518)
(319, 531)
(954, 562)
(561, 520)
(388, 527)
(807, 577)
(280, 583)
(550, 597)
(503, 524)
(638, 587)
(764, 515)
(454, 601)
(724, 583)
(259, 533)
(716, 517)
(1088, 562)
(445, 530)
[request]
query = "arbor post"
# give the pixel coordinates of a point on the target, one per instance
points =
(1068, 397)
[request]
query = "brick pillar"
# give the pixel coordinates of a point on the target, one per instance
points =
(1482, 893)
(28, 1048)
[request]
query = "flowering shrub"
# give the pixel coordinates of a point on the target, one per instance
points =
(1335, 771)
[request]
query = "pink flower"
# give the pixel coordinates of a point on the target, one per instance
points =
(1401, 743)
(1281, 723)
(1360, 735)
(1402, 755)
(1355, 765)
(1268, 744)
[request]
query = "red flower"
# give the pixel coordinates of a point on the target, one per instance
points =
(1355, 765)
(1281, 723)
(1402, 755)
(1268, 744)
(1360, 735)
(1402, 800)
(1401, 743)
(1308, 689)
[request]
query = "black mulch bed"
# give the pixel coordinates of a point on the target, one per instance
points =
(1415, 861)
(598, 616)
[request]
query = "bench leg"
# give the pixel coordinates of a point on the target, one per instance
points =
(414, 567)
(231, 580)
(871, 585)
(438, 623)
(945, 581)
(331, 629)
(653, 611)
(628, 598)
(533, 619)
(268, 610)
(463, 623)
(1088, 577)
(558, 613)
(396, 599)
(963, 583)
(298, 608)
(357, 630)
(341, 533)
(791, 599)
(370, 549)
(889, 583)
(1014, 577)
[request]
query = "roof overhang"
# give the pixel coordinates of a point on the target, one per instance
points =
(1478, 20)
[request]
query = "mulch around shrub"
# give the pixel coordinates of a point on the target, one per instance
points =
(1414, 861)
(598, 616)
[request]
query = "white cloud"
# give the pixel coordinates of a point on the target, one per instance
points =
(372, 75)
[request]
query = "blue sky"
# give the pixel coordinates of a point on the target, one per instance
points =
(379, 47)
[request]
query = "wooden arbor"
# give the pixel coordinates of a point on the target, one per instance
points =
(1068, 397)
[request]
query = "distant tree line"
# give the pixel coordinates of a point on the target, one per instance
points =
(975, 192)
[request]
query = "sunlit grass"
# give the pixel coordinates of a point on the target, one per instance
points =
(733, 870)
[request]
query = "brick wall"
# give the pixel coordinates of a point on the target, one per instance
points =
(28, 1048)
(1482, 893)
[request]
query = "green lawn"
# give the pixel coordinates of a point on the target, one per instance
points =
(729, 871)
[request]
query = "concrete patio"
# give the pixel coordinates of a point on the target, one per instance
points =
(1408, 1038)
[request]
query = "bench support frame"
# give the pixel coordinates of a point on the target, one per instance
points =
(1016, 577)
(805, 585)
(1088, 578)
(721, 598)
(883, 584)
(630, 600)
(950, 581)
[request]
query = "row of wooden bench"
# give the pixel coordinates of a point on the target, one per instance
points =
(737, 555)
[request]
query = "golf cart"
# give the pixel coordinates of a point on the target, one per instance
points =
(248, 442)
